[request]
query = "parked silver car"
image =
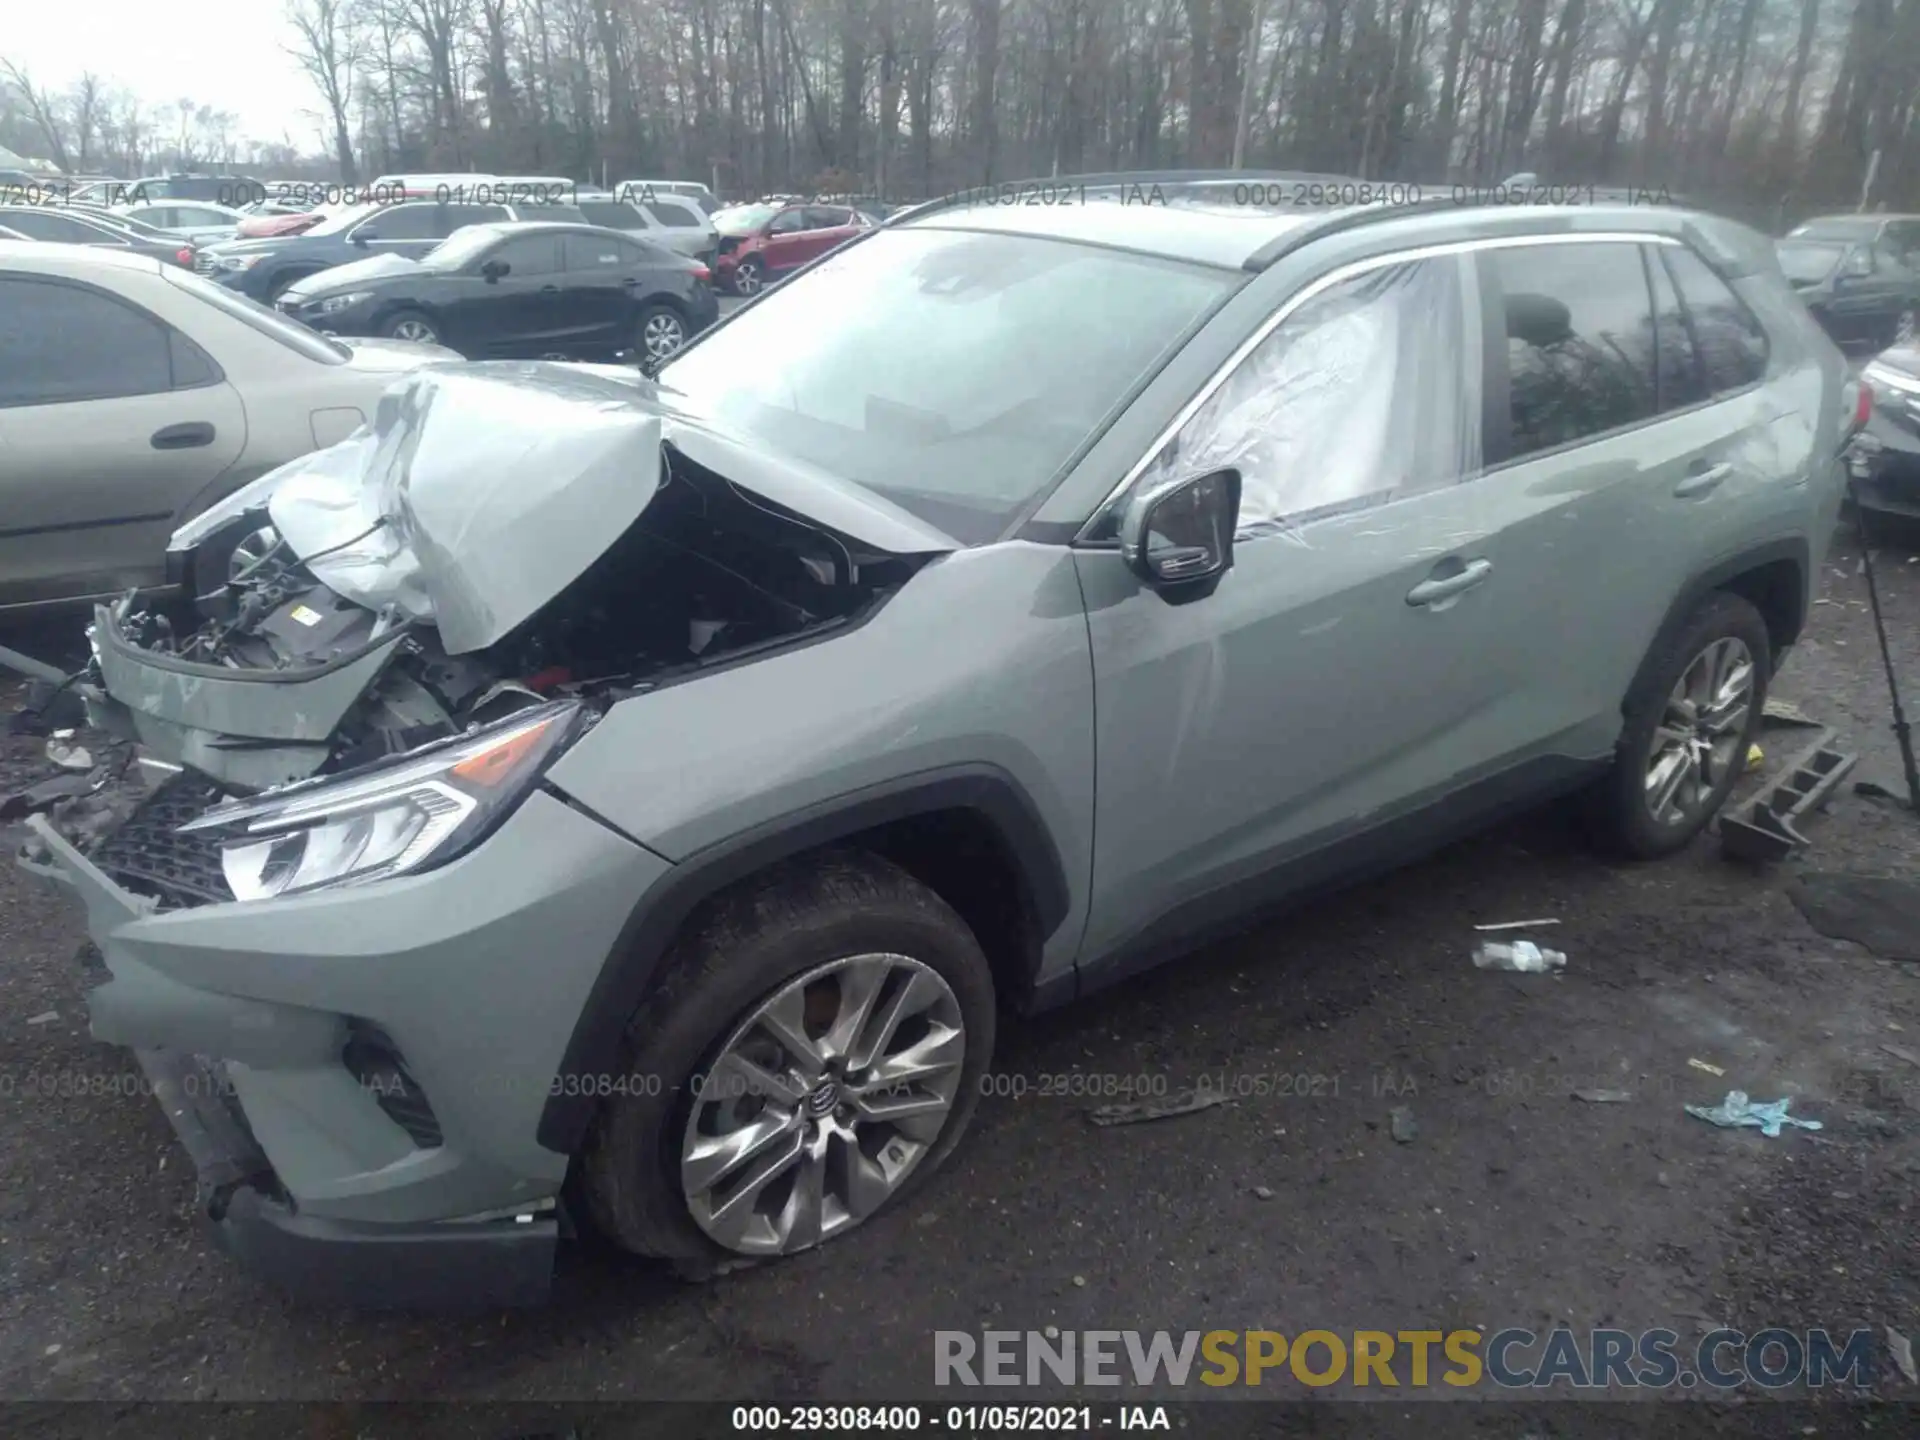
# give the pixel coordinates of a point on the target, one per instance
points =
(679, 225)
(200, 222)
(133, 394)
(665, 784)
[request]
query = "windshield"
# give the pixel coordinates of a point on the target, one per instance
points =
(954, 373)
(270, 323)
(465, 244)
(744, 219)
(1803, 261)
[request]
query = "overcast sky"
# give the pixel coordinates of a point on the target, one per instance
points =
(230, 54)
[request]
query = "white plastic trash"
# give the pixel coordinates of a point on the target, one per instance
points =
(1519, 955)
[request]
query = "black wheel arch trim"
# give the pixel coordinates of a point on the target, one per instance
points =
(634, 962)
(1715, 577)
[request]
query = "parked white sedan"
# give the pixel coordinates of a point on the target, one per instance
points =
(198, 222)
(134, 394)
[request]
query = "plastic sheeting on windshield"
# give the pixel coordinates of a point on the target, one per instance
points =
(1368, 391)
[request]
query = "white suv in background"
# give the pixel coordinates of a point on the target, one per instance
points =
(133, 394)
(668, 220)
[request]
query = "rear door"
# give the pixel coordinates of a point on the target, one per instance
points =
(607, 286)
(828, 226)
(111, 422)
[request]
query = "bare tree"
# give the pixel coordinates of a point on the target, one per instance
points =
(329, 49)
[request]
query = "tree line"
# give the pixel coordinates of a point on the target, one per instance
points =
(1772, 108)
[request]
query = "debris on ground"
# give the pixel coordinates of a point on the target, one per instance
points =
(1400, 1124)
(1522, 957)
(1756, 758)
(44, 796)
(1902, 1349)
(1877, 911)
(1262, 1192)
(64, 752)
(45, 1017)
(1703, 1065)
(1517, 925)
(1900, 1052)
(1785, 712)
(1180, 1102)
(1738, 1112)
(1603, 1097)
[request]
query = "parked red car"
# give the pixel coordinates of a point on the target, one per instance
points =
(763, 242)
(256, 226)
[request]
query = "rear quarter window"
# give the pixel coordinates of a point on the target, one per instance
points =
(1731, 341)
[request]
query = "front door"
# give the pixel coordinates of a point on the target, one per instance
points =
(1353, 662)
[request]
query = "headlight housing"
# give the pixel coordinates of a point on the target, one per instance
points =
(395, 818)
(334, 303)
(238, 262)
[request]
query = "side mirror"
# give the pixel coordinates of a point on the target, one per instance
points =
(1858, 266)
(1179, 539)
(362, 236)
(494, 269)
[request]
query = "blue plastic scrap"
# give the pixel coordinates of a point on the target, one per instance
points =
(1737, 1111)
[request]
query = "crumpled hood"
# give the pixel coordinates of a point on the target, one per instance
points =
(479, 492)
(345, 277)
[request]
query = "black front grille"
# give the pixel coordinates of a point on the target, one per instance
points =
(148, 857)
(374, 1060)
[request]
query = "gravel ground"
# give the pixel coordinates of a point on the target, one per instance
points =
(1513, 1204)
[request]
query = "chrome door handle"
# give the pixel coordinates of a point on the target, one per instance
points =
(1699, 482)
(1432, 592)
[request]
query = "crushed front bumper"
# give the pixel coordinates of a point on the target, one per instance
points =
(246, 1018)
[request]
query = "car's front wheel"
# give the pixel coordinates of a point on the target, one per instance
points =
(661, 331)
(412, 326)
(1689, 725)
(749, 276)
(811, 1055)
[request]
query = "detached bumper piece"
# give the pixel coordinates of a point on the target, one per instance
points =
(1767, 830)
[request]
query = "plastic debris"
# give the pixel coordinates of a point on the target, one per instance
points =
(1522, 956)
(1703, 1065)
(1517, 925)
(1400, 1124)
(1756, 758)
(1181, 1102)
(44, 796)
(1603, 1097)
(1902, 1349)
(1737, 1112)
(68, 756)
(1262, 1192)
(45, 1017)
(1787, 713)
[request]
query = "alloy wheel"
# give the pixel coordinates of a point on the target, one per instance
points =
(662, 335)
(746, 279)
(1697, 742)
(418, 331)
(821, 1103)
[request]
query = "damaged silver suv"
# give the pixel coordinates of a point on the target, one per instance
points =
(627, 802)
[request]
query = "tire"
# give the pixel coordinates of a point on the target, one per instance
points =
(1626, 802)
(412, 325)
(749, 277)
(749, 945)
(660, 331)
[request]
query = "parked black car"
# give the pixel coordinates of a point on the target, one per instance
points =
(519, 290)
(265, 267)
(65, 226)
(1859, 275)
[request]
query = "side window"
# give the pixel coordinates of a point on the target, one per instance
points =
(1367, 392)
(1733, 347)
(529, 255)
(61, 228)
(458, 215)
(597, 252)
(61, 343)
(193, 215)
(611, 214)
(788, 222)
(406, 222)
(192, 366)
(673, 216)
(1680, 380)
(1580, 343)
(822, 217)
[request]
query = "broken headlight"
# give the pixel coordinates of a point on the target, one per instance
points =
(397, 818)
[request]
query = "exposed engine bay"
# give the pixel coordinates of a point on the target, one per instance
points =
(405, 586)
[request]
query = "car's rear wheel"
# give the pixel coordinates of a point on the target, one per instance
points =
(749, 277)
(811, 1056)
(1689, 725)
(661, 331)
(412, 326)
